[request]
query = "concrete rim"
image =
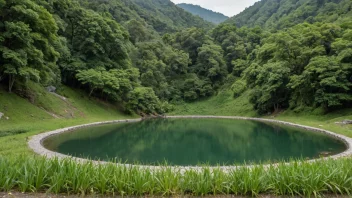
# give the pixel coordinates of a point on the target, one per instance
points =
(36, 142)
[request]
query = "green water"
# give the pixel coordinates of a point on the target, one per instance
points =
(194, 142)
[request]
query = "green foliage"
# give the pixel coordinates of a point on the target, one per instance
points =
(206, 14)
(144, 100)
(69, 177)
(273, 14)
(114, 84)
(27, 43)
(238, 88)
(194, 88)
(327, 79)
(117, 50)
(162, 16)
(210, 63)
(306, 65)
(237, 44)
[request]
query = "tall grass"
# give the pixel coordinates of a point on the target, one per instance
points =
(26, 174)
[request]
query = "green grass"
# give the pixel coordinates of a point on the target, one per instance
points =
(223, 104)
(327, 122)
(27, 119)
(25, 174)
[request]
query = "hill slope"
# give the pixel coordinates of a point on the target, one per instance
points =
(206, 14)
(278, 14)
(163, 15)
(44, 111)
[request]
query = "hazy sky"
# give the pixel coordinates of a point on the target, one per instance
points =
(227, 7)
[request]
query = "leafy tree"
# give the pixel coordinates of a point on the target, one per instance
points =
(327, 80)
(195, 88)
(144, 100)
(27, 42)
(91, 77)
(210, 63)
(270, 92)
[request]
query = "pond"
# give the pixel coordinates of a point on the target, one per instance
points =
(190, 142)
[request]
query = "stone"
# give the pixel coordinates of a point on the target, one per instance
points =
(347, 122)
(7, 118)
(1, 114)
(51, 89)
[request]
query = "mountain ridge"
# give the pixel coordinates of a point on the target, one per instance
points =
(206, 14)
(279, 14)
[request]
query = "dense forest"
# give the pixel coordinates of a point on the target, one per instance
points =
(280, 14)
(205, 14)
(150, 54)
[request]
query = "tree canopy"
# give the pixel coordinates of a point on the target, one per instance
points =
(147, 54)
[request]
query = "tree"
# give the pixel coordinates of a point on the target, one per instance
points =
(210, 63)
(327, 80)
(144, 100)
(91, 77)
(28, 36)
(270, 92)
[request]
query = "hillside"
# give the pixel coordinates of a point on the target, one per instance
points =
(206, 14)
(45, 111)
(148, 55)
(279, 14)
(163, 15)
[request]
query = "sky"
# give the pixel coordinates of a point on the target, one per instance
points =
(227, 7)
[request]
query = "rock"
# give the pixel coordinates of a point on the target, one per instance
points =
(7, 118)
(347, 122)
(51, 89)
(326, 153)
(1, 114)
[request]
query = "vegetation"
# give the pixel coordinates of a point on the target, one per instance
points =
(208, 15)
(54, 42)
(67, 176)
(139, 52)
(44, 111)
(273, 14)
(286, 58)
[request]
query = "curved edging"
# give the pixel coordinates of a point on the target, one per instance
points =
(36, 141)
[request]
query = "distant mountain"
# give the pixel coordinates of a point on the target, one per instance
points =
(206, 14)
(279, 14)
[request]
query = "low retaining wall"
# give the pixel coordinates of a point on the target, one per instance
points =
(36, 142)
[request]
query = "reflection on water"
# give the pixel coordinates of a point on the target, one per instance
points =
(194, 141)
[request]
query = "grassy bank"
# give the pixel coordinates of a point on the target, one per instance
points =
(44, 112)
(25, 174)
(224, 104)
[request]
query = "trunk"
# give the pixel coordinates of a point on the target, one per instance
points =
(91, 92)
(276, 107)
(11, 82)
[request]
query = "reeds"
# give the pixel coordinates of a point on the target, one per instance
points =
(27, 174)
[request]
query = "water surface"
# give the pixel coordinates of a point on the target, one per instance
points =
(194, 142)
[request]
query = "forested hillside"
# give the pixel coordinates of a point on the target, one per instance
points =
(163, 16)
(279, 14)
(206, 14)
(149, 56)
